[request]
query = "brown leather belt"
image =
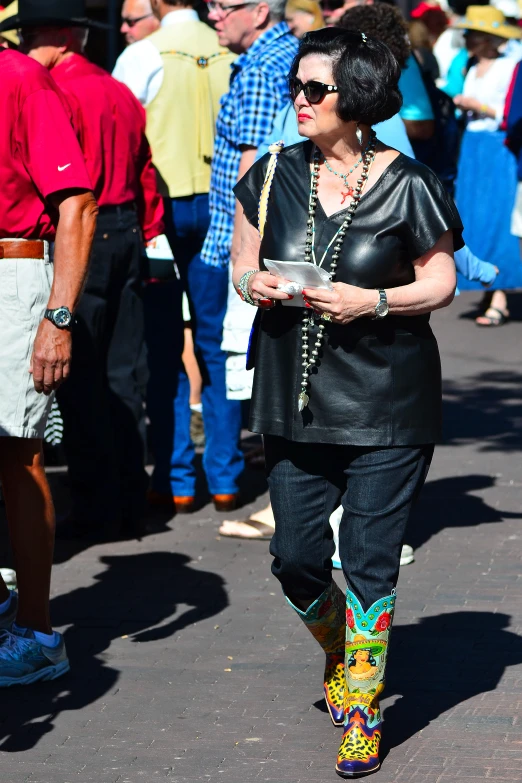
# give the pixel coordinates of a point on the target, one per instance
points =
(22, 248)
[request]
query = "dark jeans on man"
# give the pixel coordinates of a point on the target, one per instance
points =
(377, 488)
(102, 401)
(187, 220)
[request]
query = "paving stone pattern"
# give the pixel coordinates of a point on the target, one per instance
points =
(188, 666)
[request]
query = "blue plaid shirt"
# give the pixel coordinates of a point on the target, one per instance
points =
(258, 90)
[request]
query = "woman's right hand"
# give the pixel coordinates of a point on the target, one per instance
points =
(263, 286)
(465, 103)
(488, 285)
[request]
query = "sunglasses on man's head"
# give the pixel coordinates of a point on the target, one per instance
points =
(313, 91)
(130, 22)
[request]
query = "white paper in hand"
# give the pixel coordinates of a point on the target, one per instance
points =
(303, 273)
(159, 248)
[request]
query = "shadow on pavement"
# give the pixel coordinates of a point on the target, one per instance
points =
(252, 485)
(446, 503)
(485, 407)
(132, 595)
(442, 662)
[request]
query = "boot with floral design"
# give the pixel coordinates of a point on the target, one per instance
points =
(325, 619)
(367, 642)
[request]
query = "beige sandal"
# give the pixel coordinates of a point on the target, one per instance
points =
(261, 529)
(246, 528)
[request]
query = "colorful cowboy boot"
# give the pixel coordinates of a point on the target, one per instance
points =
(325, 619)
(367, 641)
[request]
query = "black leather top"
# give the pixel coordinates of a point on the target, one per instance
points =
(377, 383)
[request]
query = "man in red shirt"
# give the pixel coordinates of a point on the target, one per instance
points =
(102, 404)
(45, 197)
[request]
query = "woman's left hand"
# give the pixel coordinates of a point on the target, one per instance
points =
(344, 304)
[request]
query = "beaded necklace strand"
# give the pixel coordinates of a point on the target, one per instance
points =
(309, 361)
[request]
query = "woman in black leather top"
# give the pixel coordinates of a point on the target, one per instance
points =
(347, 388)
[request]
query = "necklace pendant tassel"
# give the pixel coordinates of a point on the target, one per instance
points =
(302, 401)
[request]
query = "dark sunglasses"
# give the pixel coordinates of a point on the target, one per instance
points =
(331, 5)
(314, 92)
(131, 22)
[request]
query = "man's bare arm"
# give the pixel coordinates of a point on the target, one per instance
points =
(72, 248)
(75, 232)
(248, 156)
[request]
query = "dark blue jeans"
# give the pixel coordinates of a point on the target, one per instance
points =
(377, 488)
(187, 221)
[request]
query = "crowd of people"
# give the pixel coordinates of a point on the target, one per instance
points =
(159, 233)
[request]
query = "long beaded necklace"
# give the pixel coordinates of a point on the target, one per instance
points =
(344, 177)
(309, 361)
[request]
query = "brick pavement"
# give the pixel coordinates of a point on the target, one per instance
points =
(189, 667)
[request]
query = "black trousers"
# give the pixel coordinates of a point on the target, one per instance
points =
(102, 402)
(377, 488)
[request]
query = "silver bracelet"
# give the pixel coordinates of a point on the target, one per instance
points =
(243, 286)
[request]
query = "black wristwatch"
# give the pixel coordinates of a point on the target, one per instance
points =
(61, 317)
(382, 309)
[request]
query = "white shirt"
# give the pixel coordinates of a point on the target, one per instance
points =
(491, 90)
(140, 66)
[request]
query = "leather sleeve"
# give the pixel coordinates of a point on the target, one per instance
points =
(426, 212)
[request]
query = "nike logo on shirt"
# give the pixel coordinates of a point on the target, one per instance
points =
(62, 168)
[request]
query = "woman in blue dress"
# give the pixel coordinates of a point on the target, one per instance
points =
(486, 181)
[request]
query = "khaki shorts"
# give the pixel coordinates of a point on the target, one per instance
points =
(516, 215)
(25, 284)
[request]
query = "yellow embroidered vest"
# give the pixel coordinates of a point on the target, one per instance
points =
(181, 119)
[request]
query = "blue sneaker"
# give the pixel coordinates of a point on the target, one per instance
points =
(24, 660)
(8, 617)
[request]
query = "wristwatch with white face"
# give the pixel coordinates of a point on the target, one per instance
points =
(61, 317)
(381, 308)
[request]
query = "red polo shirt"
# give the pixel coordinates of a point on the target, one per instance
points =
(39, 152)
(111, 130)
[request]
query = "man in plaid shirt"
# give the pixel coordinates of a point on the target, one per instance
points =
(258, 90)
